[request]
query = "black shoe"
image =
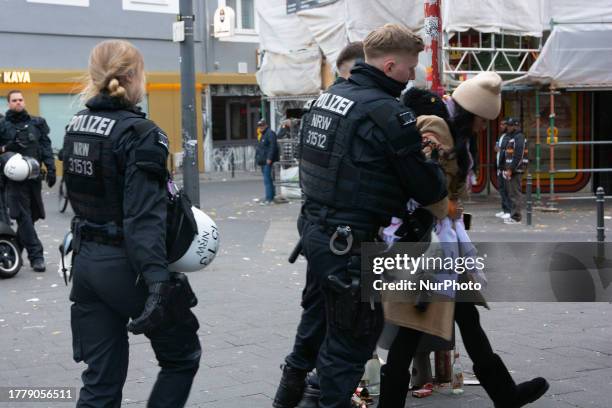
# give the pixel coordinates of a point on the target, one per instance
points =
(529, 391)
(310, 398)
(291, 388)
(503, 391)
(39, 265)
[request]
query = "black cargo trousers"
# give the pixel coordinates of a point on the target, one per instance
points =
(105, 296)
(337, 332)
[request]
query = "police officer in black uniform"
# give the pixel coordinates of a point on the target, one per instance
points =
(361, 163)
(115, 171)
(28, 135)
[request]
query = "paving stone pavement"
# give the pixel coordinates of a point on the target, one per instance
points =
(250, 305)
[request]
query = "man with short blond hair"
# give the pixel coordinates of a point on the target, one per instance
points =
(361, 162)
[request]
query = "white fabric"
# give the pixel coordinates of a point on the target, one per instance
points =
(593, 11)
(575, 56)
(296, 73)
(493, 16)
(279, 32)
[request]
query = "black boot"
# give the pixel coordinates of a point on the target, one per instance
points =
(312, 393)
(290, 388)
(498, 383)
(393, 388)
(310, 398)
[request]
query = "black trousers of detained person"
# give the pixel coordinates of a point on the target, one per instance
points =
(396, 372)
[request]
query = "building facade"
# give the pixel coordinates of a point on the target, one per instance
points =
(45, 45)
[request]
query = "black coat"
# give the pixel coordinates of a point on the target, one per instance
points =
(29, 191)
(267, 148)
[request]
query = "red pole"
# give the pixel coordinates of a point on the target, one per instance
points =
(432, 36)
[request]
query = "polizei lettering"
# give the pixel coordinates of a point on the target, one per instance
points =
(334, 103)
(92, 124)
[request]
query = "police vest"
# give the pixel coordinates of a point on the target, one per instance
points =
(328, 174)
(27, 134)
(93, 175)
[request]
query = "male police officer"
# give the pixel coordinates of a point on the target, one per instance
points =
(361, 162)
(29, 136)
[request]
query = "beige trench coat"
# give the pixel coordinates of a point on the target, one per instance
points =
(438, 318)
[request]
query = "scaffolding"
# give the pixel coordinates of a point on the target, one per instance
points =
(473, 52)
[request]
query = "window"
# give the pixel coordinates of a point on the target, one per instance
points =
(234, 119)
(80, 3)
(245, 15)
(152, 6)
(3, 104)
(57, 110)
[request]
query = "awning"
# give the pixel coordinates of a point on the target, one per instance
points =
(575, 56)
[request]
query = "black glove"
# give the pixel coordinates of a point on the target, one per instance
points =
(14, 146)
(155, 312)
(51, 178)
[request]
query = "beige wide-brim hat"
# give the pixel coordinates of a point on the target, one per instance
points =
(480, 95)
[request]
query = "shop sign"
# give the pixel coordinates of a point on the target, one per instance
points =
(15, 77)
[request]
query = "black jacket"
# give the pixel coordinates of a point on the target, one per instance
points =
(267, 148)
(29, 190)
(141, 175)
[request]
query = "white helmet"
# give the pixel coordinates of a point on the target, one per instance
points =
(20, 168)
(203, 248)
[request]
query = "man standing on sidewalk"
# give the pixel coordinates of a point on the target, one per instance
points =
(500, 162)
(29, 136)
(516, 163)
(265, 155)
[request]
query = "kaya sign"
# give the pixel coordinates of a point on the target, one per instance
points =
(15, 77)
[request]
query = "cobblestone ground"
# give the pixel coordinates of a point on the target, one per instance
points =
(249, 308)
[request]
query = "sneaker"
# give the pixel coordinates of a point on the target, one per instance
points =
(499, 214)
(39, 266)
(264, 202)
(505, 216)
(511, 221)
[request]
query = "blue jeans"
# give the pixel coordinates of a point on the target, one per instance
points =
(268, 183)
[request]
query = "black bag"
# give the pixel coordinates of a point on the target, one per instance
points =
(181, 225)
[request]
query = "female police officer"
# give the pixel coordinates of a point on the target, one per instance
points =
(115, 171)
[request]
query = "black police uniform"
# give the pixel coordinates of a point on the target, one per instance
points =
(29, 136)
(115, 175)
(361, 162)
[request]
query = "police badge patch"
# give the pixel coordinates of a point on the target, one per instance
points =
(162, 139)
(406, 118)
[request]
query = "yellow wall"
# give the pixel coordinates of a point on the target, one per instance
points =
(164, 101)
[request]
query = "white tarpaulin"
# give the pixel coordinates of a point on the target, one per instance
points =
(333, 26)
(279, 32)
(291, 63)
(524, 17)
(493, 16)
(573, 11)
(296, 73)
(575, 56)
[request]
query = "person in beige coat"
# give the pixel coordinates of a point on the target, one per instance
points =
(473, 103)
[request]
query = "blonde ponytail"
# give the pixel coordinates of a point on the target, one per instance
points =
(115, 67)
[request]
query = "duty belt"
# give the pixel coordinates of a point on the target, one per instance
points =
(106, 234)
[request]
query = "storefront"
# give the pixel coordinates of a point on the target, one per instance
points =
(54, 95)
